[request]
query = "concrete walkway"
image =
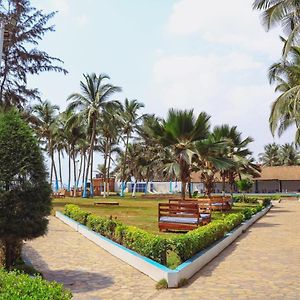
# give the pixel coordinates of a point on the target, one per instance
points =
(263, 263)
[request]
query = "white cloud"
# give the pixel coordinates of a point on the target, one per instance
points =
(225, 86)
(227, 78)
(232, 23)
(82, 20)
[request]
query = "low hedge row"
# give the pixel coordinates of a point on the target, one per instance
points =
(18, 286)
(157, 247)
(138, 240)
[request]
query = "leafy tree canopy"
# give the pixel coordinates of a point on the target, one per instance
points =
(25, 27)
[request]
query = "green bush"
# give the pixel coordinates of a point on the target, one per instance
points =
(76, 213)
(18, 286)
(266, 202)
(247, 199)
(157, 247)
(247, 213)
(233, 220)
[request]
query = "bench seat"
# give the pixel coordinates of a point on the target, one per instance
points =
(179, 220)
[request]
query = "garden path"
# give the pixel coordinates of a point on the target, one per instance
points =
(262, 263)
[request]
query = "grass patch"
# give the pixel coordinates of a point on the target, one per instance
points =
(139, 212)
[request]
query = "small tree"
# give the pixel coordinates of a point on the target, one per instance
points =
(244, 185)
(24, 192)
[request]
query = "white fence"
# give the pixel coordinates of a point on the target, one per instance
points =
(161, 187)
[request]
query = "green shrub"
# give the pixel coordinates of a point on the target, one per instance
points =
(138, 240)
(187, 245)
(19, 286)
(233, 220)
(266, 202)
(156, 247)
(76, 213)
(247, 213)
(162, 284)
(247, 199)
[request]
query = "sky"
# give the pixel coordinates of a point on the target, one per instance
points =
(184, 54)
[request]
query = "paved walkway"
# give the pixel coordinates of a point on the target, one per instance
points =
(263, 263)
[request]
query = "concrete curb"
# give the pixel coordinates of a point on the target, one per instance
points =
(153, 269)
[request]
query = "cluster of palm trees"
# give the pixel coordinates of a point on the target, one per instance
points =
(91, 122)
(135, 145)
(280, 155)
(285, 73)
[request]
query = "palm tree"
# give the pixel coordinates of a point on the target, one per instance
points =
(45, 123)
(236, 149)
(281, 12)
(271, 155)
(179, 132)
(94, 96)
(211, 157)
(109, 127)
(130, 121)
(285, 109)
(289, 156)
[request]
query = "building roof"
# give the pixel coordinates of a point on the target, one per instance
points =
(279, 173)
(267, 173)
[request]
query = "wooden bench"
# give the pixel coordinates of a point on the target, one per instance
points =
(219, 203)
(178, 216)
(105, 203)
(59, 194)
(204, 206)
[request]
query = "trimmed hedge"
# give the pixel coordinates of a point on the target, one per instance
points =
(138, 240)
(18, 286)
(157, 247)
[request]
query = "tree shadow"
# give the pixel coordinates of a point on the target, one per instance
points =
(276, 210)
(78, 281)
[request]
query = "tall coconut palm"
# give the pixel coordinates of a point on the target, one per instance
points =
(109, 128)
(211, 158)
(180, 131)
(45, 123)
(271, 155)
(75, 132)
(95, 95)
(236, 149)
(289, 156)
(130, 120)
(281, 12)
(285, 109)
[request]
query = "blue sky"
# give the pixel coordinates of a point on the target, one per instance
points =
(170, 53)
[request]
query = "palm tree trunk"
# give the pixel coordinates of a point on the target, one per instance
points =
(89, 158)
(83, 170)
(124, 166)
(80, 169)
(74, 172)
(69, 179)
(190, 188)
(55, 172)
(108, 172)
(183, 187)
(59, 166)
(51, 172)
(105, 169)
(223, 182)
(91, 175)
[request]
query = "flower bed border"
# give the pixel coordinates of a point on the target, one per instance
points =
(152, 268)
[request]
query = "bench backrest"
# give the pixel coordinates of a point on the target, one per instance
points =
(204, 204)
(179, 210)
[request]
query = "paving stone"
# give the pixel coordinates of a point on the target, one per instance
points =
(262, 264)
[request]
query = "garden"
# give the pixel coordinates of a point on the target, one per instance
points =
(134, 224)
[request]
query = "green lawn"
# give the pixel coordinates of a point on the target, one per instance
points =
(138, 212)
